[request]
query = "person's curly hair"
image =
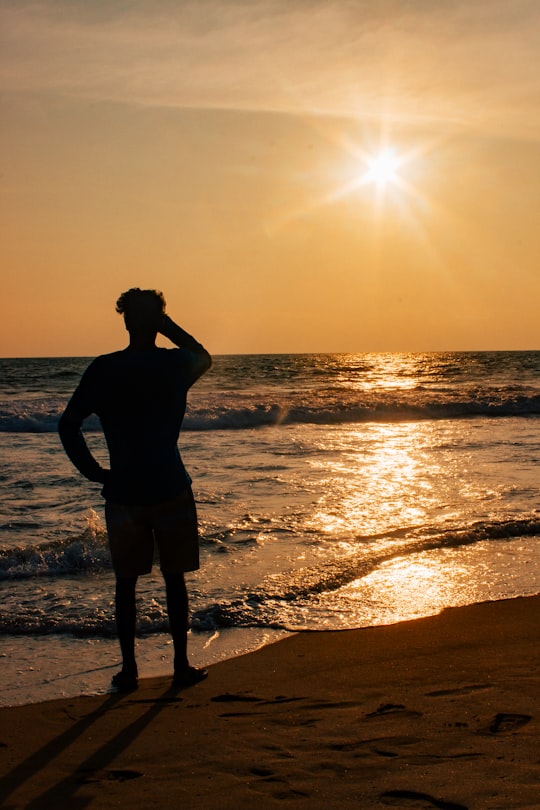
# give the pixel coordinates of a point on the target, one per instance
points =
(136, 294)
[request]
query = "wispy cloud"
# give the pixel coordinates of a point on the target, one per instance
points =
(473, 64)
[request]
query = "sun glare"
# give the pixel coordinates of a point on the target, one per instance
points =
(382, 168)
(381, 176)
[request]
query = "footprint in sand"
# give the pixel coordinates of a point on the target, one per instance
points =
(228, 698)
(503, 723)
(462, 690)
(258, 708)
(421, 801)
(270, 782)
(242, 698)
(393, 709)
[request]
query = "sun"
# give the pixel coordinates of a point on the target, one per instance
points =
(382, 175)
(382, 168)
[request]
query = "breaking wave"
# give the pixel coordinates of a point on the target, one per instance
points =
(273, 605)
(41, 416)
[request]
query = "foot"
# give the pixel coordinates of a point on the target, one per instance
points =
(184, 678)
(125, 681)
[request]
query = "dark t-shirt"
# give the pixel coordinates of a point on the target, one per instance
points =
(140, 399)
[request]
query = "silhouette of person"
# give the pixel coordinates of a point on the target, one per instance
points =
(139, 395)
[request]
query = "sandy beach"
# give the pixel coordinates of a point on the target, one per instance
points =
(440, 712)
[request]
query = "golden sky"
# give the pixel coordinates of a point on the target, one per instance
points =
(220, 151)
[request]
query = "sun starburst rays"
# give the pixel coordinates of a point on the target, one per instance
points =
(381, 178)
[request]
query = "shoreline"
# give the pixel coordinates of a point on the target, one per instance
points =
(442, 711)
(36, 669)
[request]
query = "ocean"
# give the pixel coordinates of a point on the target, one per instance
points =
(334, 491)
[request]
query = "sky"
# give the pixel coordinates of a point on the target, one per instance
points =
(226, 152)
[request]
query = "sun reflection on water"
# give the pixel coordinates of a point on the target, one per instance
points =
(411, 587)
(394, 523)
(378, 478)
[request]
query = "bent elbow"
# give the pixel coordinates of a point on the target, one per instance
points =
(68, 425)
(63, 425)
(207, 361)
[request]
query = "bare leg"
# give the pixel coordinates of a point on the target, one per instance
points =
(126, 616)
(177, 607)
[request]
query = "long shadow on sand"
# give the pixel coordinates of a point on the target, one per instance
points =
(63, 794)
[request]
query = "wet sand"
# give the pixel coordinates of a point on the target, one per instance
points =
(442, 712)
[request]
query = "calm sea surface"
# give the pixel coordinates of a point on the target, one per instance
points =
(333, 491)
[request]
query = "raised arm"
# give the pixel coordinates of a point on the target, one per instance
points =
(183, 340)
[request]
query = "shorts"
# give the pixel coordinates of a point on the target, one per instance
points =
(171, 526)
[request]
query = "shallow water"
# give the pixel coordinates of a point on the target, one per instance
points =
(333, 492)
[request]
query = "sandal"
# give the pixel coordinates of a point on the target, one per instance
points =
(125, 681)
(189, 677)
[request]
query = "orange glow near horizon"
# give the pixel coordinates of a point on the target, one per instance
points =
(380, 198)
